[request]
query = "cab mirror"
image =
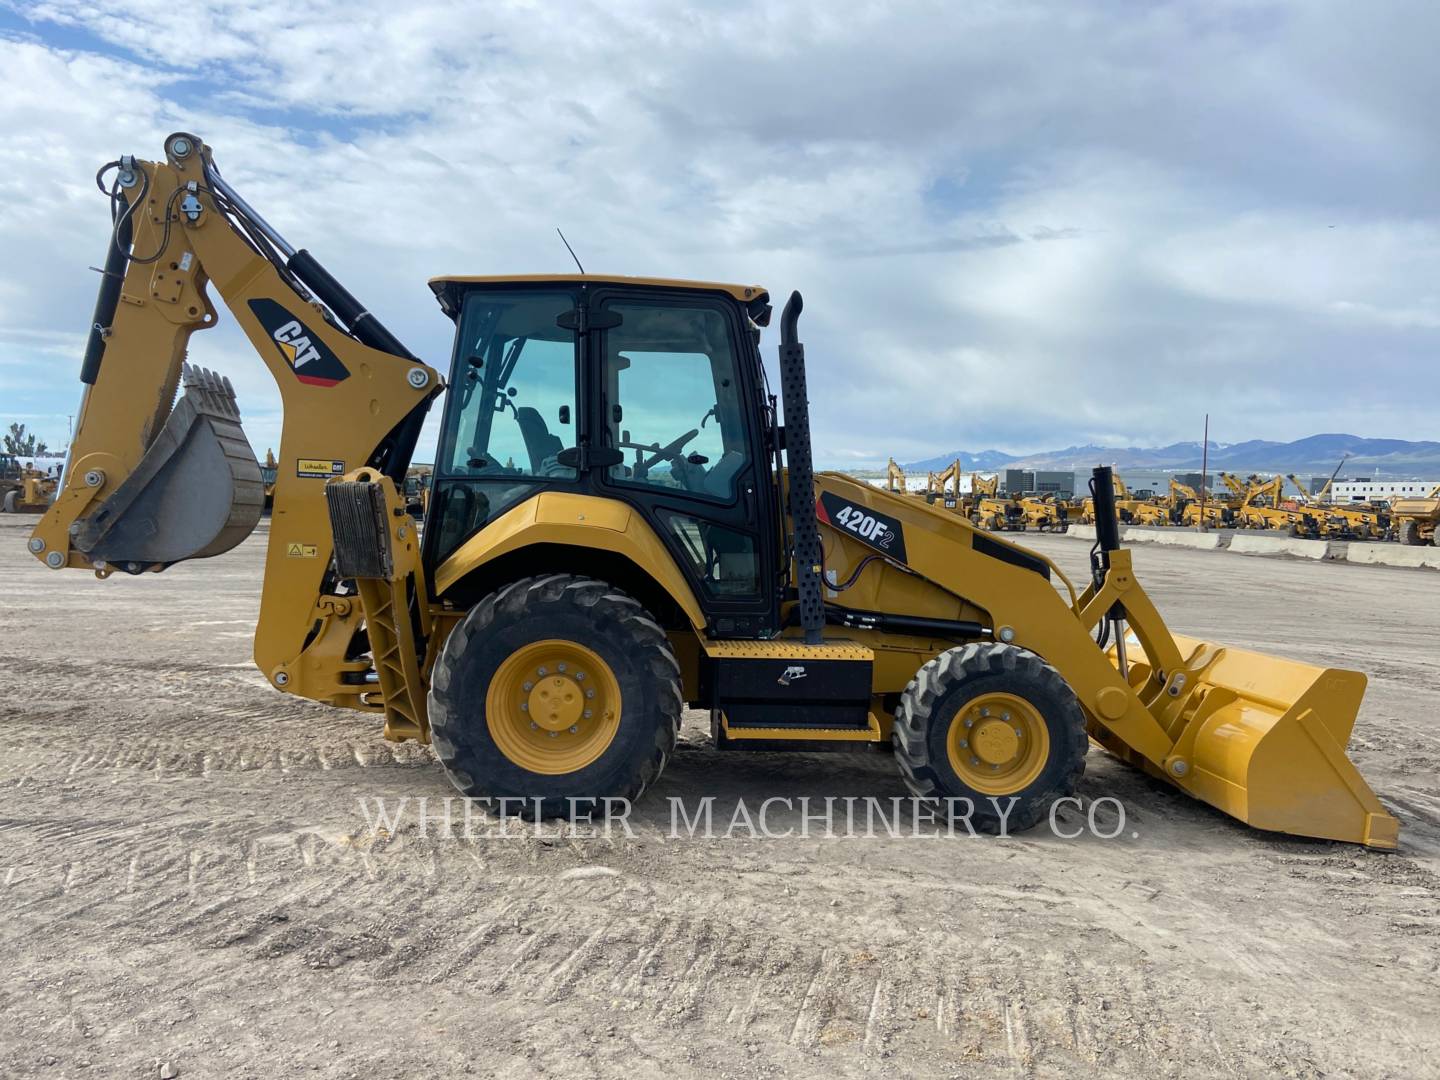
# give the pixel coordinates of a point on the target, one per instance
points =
(564, 414)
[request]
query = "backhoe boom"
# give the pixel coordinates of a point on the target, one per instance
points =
(150, 485)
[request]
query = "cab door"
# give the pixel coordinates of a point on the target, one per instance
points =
(679, 399)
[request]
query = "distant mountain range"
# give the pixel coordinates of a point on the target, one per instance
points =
(1314, 455)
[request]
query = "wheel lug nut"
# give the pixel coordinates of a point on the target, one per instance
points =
(554, 734)
(586, 714)
(524, 706)
(984, 712)
(969, 723)
(974, 761)
(529, 686)
(589, 693)
(559, 667)
(542, 672)
(1005, 717)
(579, 676)
(534, 726)
(573, 729)
(1019, 734)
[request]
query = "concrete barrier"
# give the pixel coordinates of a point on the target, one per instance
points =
(1265, 543)
(1394, 555)
(1179, 537)
(1272, 543)
(1141, 534)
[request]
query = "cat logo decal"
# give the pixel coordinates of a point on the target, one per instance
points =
(313, 362)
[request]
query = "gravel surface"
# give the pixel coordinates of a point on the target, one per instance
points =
(191, 888)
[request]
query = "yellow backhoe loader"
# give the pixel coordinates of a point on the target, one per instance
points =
(268, 473)
(942, 489)
(1044, 513)
(1417, 521)
(1260, 507)
(894, 478)
(989, 510)
(24, 490)
(1084, 509)
(1187, 508)
(620, 526)
(416, 490)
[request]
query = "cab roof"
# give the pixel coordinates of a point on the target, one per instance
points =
(447, 288)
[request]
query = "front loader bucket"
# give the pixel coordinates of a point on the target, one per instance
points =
(1263, 739)
(196, 492)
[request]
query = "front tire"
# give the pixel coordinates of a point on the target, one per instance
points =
(1410, 533)
(991, 723)
(560, 689)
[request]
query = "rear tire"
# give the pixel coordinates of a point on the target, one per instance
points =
(1410, 533)
(489, 744)
(998, 689)
(12, 502)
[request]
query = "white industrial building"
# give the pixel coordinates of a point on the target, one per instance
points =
(1366, 490)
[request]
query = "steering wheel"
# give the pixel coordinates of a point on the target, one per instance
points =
(671, 450)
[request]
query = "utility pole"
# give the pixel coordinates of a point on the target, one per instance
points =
(1204, 468)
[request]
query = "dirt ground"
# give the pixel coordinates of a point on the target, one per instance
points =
(188, 881)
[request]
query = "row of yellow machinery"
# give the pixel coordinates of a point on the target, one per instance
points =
(1249, 503)
(983, 504)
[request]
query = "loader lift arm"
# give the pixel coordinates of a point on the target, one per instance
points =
(150, 485)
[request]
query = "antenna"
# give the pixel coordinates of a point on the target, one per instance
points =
(569, 249)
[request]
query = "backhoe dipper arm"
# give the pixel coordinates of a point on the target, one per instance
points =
(149, 485)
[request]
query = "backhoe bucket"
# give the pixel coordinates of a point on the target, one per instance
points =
(1263, 739)
(196, 492)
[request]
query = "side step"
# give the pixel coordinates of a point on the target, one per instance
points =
(783, 690)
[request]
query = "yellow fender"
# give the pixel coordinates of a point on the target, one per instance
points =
(587, 521)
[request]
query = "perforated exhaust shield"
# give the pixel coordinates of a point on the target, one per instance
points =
(197, 492)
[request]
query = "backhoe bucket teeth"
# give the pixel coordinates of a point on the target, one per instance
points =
(197, 491)
(1263, 739)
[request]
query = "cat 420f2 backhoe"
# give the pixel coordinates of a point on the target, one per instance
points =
(620, 526)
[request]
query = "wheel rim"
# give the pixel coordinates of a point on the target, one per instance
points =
(553, 707)
(998, 744)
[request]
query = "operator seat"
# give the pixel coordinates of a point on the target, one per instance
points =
(540, 444)
(720, 480)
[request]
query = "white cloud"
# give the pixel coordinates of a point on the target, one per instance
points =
(1019, 225)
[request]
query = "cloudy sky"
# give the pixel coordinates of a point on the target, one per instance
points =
(1017, 225)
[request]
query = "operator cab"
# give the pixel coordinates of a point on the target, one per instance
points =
(644, 391)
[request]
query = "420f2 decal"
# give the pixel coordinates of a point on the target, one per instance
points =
(880, 531)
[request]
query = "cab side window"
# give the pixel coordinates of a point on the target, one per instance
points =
(673, 400)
